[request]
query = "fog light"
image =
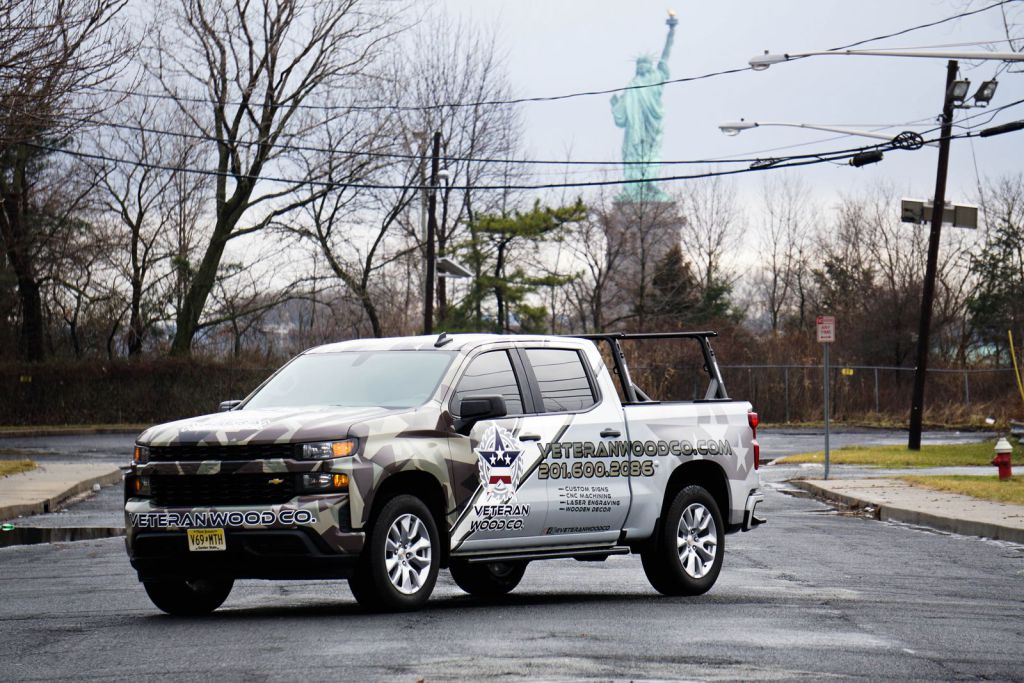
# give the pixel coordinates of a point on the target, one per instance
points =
(325, 450)
(140, 486)
(324, 481)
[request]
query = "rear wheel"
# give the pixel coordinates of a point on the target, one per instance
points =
(686, 556)
(487, 579)
(188, 597)
(399, 566)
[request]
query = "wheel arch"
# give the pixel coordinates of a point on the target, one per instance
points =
(424, 486)
(704, 473)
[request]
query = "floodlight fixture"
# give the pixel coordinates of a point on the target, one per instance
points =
(985, 93)
(958, 91)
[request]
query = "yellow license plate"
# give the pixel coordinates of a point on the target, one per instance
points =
(206, 539)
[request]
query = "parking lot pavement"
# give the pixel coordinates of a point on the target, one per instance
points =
(810, 595)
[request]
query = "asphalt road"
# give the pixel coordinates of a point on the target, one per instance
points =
(810, 595)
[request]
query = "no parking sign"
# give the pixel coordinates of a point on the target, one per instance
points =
(826, 327)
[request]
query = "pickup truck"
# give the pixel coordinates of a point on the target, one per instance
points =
(384, 460)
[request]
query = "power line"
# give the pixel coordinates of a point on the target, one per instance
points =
(738, 159)
(744, 158)
(756, 166)
(548, 98)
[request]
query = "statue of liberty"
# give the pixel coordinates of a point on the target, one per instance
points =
(640, 112)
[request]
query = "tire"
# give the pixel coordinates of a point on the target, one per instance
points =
(685, 557)
(399, 566)
(188, 598)
(487, 579)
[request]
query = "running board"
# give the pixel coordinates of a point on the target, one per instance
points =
(548, 554)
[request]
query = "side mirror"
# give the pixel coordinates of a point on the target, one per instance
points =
(225, 406)
(472, 409)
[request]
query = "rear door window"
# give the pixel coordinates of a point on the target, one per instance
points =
(562, 379)
(490, 374)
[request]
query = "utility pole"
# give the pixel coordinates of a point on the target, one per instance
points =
(928, 291)
(428, 298)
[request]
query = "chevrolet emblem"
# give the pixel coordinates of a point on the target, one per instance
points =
(275, 482)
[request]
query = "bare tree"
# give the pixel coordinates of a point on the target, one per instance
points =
(712, 229)
(146, 198)
(873, 267)
(595, 255)
(996, 301)
(255, 67)
(449, 73)
(788, 220)
(52, 53)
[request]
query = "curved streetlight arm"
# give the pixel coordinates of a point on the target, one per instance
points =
(762, 62)
(735, 127)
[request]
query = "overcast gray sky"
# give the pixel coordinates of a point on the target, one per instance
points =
(563, 46)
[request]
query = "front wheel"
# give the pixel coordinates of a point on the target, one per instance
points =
(192, 597)
(487, 579)
(400, 562)
(685, 557)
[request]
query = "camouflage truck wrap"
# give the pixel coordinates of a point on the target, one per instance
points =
(384, 460)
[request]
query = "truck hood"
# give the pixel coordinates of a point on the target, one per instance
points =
(270, 425)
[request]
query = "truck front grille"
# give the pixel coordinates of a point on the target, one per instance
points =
(194, 452)
(171, 490)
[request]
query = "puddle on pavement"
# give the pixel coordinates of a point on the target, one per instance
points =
(31, 535)
(867, 513)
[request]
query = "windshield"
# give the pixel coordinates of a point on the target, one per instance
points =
(389, 379)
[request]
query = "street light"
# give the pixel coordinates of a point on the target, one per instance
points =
(762, 62)
(733, 128)
(952, 91)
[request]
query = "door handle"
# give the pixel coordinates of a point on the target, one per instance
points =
(529, 437)
(608, 433)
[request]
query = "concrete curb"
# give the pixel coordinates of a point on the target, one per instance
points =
(51, 502)
(893, 513)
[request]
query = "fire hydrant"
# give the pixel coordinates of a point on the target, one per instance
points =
(1002, 460)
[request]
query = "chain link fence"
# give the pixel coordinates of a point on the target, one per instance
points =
(787, 393)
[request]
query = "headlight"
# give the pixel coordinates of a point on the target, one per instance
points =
(325, 450)
(324, 481)
(141, 455)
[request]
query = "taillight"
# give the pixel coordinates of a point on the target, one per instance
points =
(753, 422)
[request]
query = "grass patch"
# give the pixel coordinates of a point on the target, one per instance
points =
(986, 488)
(941, 455)
(9, 467)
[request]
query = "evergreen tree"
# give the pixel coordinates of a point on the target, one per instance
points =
(499, 251)
(676, 296)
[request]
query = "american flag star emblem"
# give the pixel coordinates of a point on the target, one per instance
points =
(500, 463)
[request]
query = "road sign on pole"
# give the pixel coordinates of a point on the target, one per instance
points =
(826, 328)
(826, 333)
